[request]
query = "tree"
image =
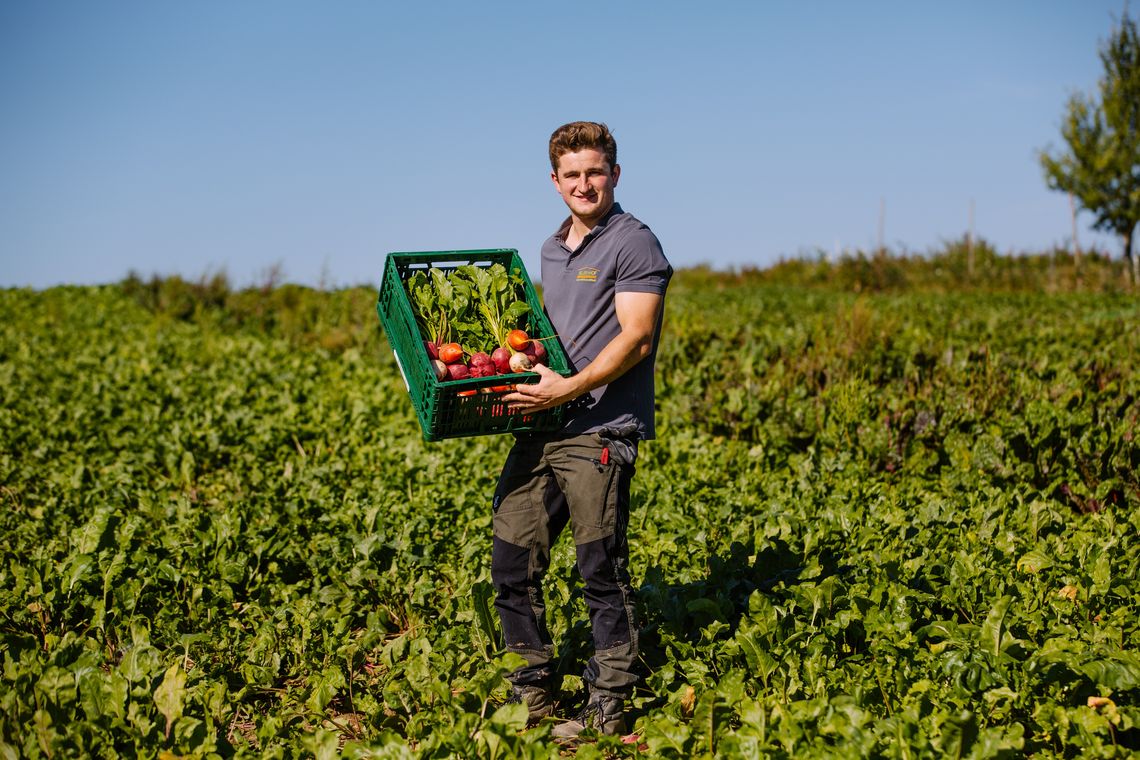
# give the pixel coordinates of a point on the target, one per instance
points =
(1101, 166)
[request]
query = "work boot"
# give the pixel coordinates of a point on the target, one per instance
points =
(603, 713)
(539, 701)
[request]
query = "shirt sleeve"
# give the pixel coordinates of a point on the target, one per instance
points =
(641, 264)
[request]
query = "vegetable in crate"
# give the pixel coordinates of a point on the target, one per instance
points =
(473, 310)
(437, 305)
(450, 353)
(520, 362)
(495, 298)
(518, 340)
(481, 365)
(501, 356)
(535, 351)
(457, 371)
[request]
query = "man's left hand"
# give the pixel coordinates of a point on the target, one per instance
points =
(551, 390)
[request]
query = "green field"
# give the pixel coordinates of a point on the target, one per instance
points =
(898, 524)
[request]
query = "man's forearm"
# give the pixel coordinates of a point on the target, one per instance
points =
(619, 356)
(638, 315)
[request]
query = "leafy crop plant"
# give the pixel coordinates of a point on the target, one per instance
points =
(890, 525)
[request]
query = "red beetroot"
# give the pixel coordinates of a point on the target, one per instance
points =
(501, 356)
(457, 372)
(480, 365)
(439, 368)
(536, 352)
(432, 349)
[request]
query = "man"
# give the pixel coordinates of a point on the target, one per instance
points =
(604, 278)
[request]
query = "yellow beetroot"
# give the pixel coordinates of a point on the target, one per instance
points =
(518, 340)
(449, 353)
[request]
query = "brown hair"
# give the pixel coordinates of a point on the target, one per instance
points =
(581, 135)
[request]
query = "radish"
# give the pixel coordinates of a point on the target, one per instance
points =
(520, 362)
(518, 340)
(501, 356)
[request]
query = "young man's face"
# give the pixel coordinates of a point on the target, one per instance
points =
(586, 183)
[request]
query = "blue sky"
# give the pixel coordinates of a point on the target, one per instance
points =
(239, 135)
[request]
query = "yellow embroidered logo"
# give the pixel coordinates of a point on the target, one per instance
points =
(588, 274)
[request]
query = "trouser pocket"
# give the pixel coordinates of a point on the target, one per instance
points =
(591, 479)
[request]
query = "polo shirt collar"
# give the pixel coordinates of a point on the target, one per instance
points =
(615, 210)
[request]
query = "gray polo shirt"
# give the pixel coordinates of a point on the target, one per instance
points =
(619, 255)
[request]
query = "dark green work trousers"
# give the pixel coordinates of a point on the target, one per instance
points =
(547, 483)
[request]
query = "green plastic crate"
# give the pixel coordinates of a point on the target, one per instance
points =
(457, 408)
